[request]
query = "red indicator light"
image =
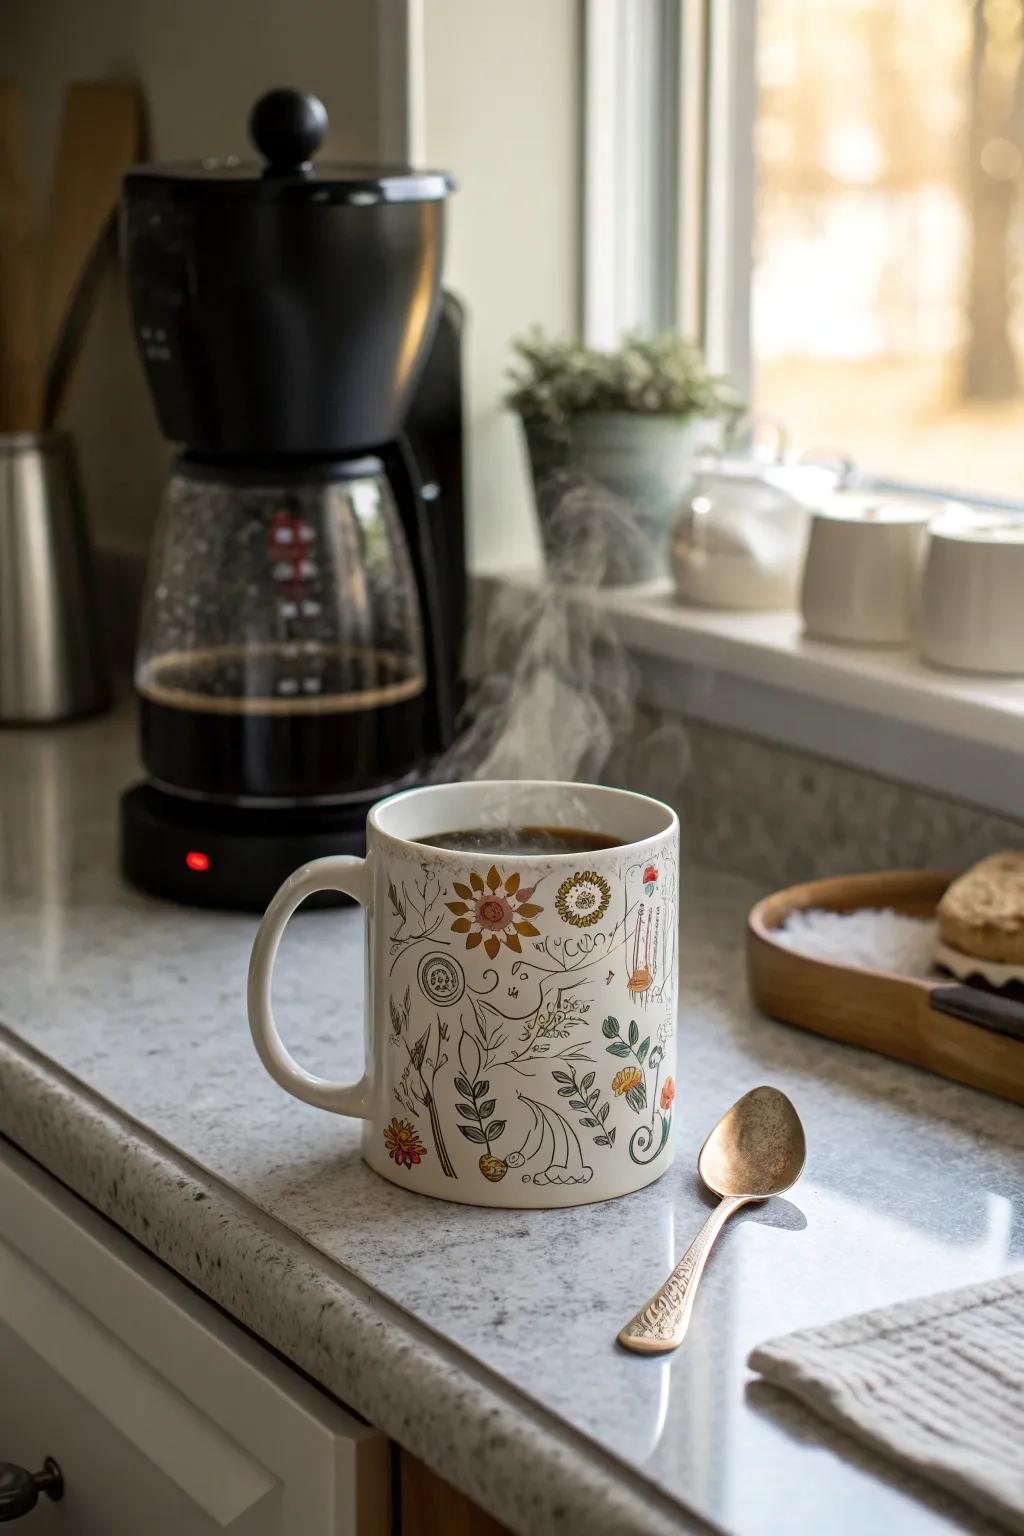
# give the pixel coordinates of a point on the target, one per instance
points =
(200, 862)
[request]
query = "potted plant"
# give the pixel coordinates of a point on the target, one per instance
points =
(630, 422)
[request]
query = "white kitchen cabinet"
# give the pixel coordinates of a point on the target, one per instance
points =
(164, 1416)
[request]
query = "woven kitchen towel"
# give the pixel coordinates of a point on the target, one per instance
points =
(935, 1384)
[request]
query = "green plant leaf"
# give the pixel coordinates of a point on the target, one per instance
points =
(636, 1098)
(587, 1081)
(592, 1098)
(486, 1109)
(610, 1028)
(566, 1093)
(642, 1050)
(578, 1105)
(468, 1110)
(619, 1048)
(601, 1141)
(472, 1134)
(611, 1137)
(634, 1033)
(590, 1124)
(495, 1129)
(480, 1089)
(462, 1086)
(602, 1113)
(562, 1077)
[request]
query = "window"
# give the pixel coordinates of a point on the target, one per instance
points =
(850, 213)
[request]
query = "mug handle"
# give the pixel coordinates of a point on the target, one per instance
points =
(338, 872)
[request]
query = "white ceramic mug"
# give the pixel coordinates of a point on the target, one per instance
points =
(520, 1011)
(972, 593)
(862, 569)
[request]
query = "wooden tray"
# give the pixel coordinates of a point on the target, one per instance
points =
(969, 1033)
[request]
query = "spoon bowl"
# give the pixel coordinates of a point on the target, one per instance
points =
(755, 1151)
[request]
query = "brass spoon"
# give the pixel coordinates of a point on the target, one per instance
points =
(755, 1151)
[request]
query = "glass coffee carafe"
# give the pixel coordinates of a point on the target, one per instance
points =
(281, 654)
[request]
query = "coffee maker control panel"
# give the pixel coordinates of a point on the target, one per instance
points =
(159, 247)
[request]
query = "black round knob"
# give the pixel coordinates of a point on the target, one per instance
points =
(287, 128)
(20, 1490)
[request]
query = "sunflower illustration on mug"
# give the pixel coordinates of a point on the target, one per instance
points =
(583, 899)
(494, 912)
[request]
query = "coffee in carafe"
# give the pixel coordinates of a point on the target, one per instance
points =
(278, 661)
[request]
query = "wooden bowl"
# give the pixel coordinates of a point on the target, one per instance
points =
(969, 1033)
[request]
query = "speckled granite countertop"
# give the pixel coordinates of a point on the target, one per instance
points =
(483, 1341)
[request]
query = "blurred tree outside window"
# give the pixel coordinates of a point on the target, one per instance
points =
(888, 264)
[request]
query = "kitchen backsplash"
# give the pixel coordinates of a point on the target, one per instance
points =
(784, 816)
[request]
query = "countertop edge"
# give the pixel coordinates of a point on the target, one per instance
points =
(515, 1459)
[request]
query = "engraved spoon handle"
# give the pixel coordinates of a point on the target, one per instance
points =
(661, 1325)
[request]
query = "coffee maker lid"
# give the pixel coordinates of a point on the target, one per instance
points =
(287, 127)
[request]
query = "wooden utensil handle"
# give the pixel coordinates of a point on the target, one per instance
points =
(661, 1325)
(1005, 1015)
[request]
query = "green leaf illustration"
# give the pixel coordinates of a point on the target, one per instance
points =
(611, 1137)
(634, 1033)
(566, 1093)
(602, 1113)
(590, 1124)
(601, 1141)
(561, 1077)
(618, 1048)
(480, 1089)
(462, 1086)
(485, 1109)
(579, 1106)
(610, 1028)
(495, 1129)
(588, 1081)
(642, 1050)
(472, 1134)
(467, 1110)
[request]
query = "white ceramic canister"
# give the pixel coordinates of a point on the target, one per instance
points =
(740, 539)
(972, 593)
(863, 565)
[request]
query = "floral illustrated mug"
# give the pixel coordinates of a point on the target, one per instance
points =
(520, 1009)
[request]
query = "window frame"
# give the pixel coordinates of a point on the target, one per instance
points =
(700, 191)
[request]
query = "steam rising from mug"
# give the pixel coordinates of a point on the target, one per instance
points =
(553, 693)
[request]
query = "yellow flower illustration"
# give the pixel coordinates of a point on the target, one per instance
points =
(494, 912)
(626, 1079)
(403, 1144)
(583, 899)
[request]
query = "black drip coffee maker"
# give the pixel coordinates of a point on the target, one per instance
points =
(301, 629)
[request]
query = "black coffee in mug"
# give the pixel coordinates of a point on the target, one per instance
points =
(510, 841)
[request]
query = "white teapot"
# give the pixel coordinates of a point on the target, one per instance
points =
(741, 536)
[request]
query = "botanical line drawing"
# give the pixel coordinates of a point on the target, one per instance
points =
(629, 1082)
(552, 1142)
(415, 909)
(585, 1099)
(416, 1084)
(475, 1108)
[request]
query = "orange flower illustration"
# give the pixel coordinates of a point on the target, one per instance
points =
(494, 912)
(627, 1079)
(403, 1144)
(668, 1093)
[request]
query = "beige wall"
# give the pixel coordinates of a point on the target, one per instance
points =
(501, 110)
(201, 63)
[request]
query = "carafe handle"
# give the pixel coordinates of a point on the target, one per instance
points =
(339, 872)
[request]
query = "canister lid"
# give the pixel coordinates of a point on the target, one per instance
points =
(287, 127)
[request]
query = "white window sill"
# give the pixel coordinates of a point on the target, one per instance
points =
(880, 710)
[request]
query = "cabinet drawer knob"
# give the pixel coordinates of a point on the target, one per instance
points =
(20, 1490)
